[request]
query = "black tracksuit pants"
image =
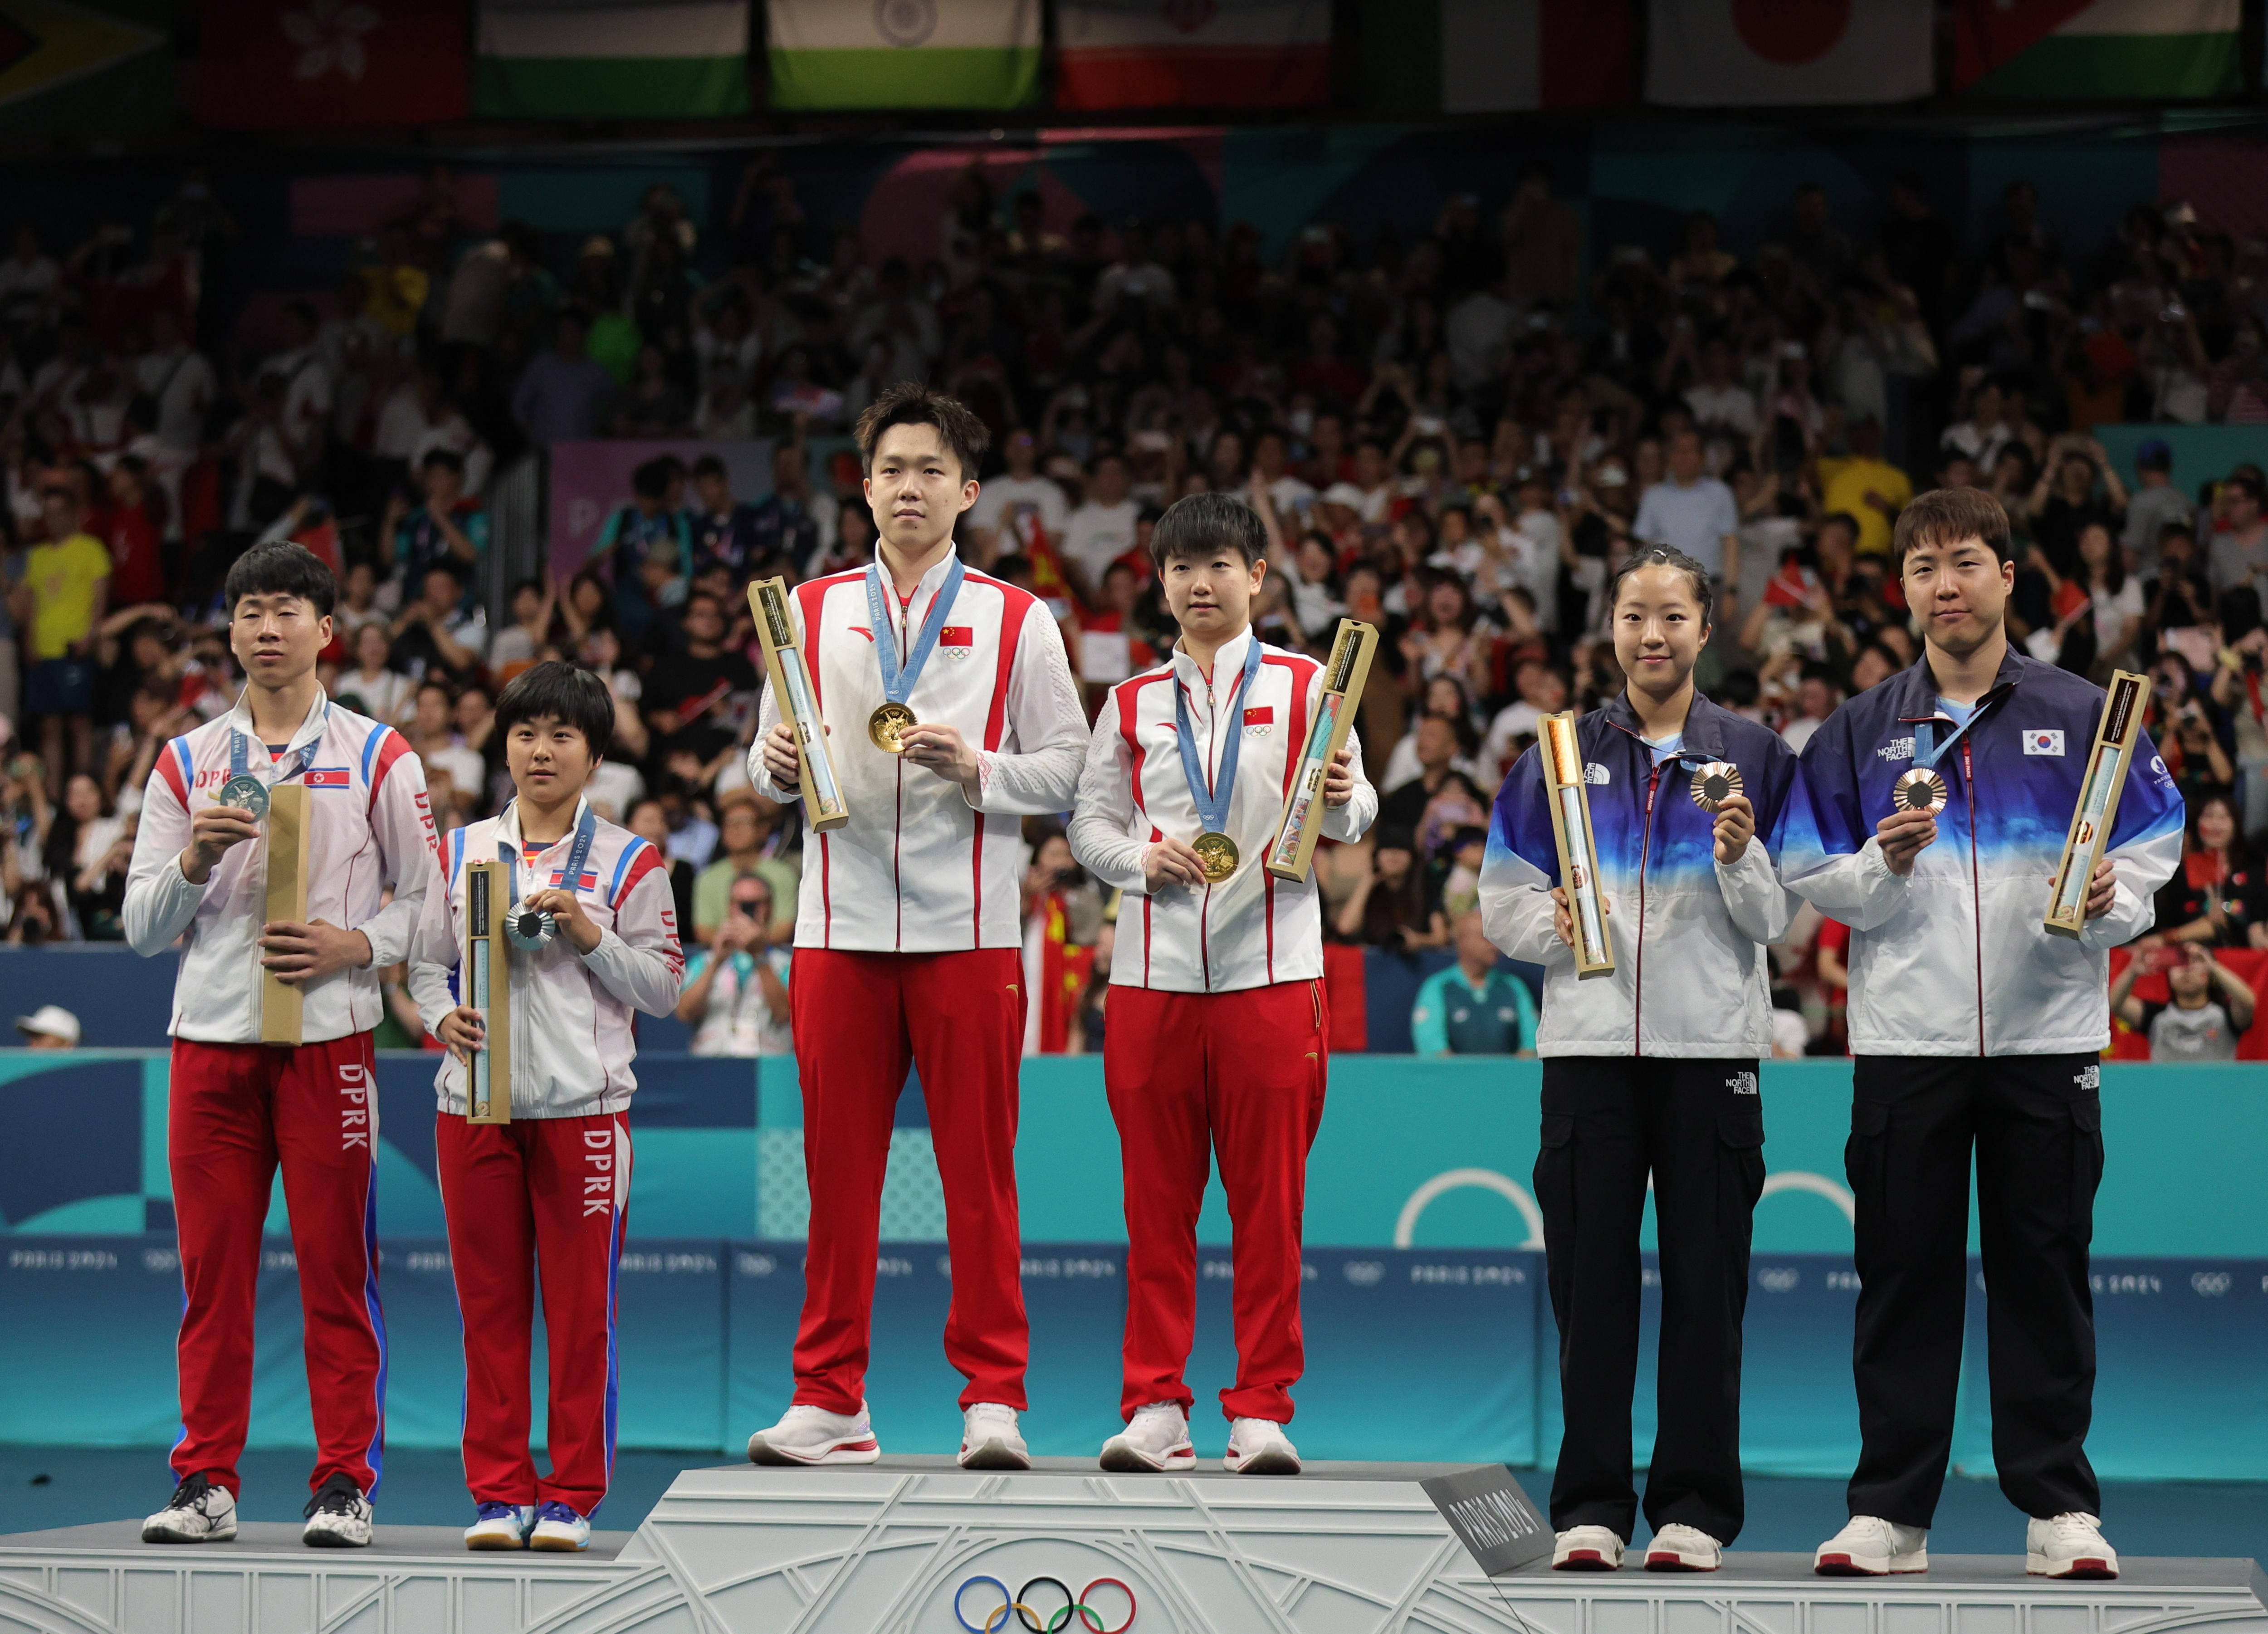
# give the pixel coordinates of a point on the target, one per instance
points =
(1697, 1128)
(2036, 1122)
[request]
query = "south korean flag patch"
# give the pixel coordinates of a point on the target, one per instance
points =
(2043, 743)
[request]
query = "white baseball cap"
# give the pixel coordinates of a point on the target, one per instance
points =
(50, 1021)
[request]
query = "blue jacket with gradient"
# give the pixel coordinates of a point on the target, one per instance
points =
(1954, 959)
(1690, 978)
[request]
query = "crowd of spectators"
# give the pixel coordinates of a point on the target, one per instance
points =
(1452, 434)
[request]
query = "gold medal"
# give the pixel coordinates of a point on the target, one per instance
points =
(1919, 790)
(886, 726)
(1217, 854)
(1715, 783)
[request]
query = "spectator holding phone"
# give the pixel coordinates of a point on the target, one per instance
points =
(2219, 898)
(735, 998)
(2210, 1004)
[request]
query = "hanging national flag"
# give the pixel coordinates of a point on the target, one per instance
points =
(611, 59)
(2079, 49)
(828, 53)
(1783, 53)
(92, 67)
(1489, 56)
(290, 65)
(1192, 53)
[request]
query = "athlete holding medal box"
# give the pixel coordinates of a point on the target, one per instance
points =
(1216, 1041)
(951, 714)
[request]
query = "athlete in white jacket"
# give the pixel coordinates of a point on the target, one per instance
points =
(551, 1188)
(1217, 1037)
(908, 935)
(236, 1107)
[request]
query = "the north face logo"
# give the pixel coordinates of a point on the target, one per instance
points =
(1897, 749)
(1741, 1083)
(2089, 1078)
(1597, 775)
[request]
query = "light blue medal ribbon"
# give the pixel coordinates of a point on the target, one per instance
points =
(885, 724)
(1923, 789)
(1214, 848)
(531, 931)
(247, 792)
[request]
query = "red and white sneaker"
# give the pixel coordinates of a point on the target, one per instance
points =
(1680, 1548)
(991, 1440)
(1587, 1548)
(1870, 1547)
(2068, 1546)
(1258, 1446)
(1156, 1437)
(812, 1435)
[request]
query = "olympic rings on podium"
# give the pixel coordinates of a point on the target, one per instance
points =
(1018, 1606)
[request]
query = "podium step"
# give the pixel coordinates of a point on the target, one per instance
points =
(890, 1548)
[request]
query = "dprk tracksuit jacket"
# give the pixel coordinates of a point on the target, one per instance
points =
(1954, 960)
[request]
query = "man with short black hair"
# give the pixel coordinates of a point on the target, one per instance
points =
(2239, 540)
(1971, 1025)
(951, 714)
(240, 1108)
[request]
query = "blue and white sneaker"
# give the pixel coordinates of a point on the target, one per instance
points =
(501, 1525)
(559, 1527)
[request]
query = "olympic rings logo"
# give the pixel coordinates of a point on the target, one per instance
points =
(1019, 1605)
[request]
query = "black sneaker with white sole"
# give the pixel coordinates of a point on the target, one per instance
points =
(198, 1512)
(338, 1516)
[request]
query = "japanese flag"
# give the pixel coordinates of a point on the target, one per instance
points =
(1783, 53)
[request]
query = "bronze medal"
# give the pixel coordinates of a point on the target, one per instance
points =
(1217, 854)
(1715, 783)
(1919, 790)
(887, 725)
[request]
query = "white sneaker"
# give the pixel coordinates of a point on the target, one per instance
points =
(2068, 1546)
(501, 1525)
(1156, 1437)
(557, 1526)
(989, 1438)
(1258, 1446)
(1680, 1548)
(812, 1435)
(1870, 1547)
(1587, 1548)
(338, 1516)
(198, 1512)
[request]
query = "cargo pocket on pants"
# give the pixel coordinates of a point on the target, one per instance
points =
(2086, 1165)
(1741, 1147)
(1865, 1155)
(1555, 1174)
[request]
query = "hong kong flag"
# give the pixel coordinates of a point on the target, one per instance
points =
(291, 64)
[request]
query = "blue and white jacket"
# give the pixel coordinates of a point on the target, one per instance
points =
(1690, 978)
(1952, 959)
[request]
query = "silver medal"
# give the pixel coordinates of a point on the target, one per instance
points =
(246, 793)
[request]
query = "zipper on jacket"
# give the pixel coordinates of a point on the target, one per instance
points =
(1638, 980)
(1976, 891)
(1205, 906)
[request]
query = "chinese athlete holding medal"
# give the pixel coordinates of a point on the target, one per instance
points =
(951, 714)
(1216, 1042)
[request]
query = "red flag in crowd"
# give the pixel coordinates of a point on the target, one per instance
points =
(287, 64)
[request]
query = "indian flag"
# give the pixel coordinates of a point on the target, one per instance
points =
(2073, 50)
(850, 54)
(611, 59)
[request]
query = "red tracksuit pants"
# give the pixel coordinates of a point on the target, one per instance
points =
(859, 1019)
(1193, 1076)
(233, 1113)
(536, 1198)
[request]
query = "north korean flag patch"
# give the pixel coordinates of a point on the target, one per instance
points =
(327, 777)
(2043, 742)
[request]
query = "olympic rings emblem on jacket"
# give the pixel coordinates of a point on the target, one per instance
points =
(1020, 1607)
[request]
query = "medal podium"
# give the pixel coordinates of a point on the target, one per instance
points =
(889, 1548)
